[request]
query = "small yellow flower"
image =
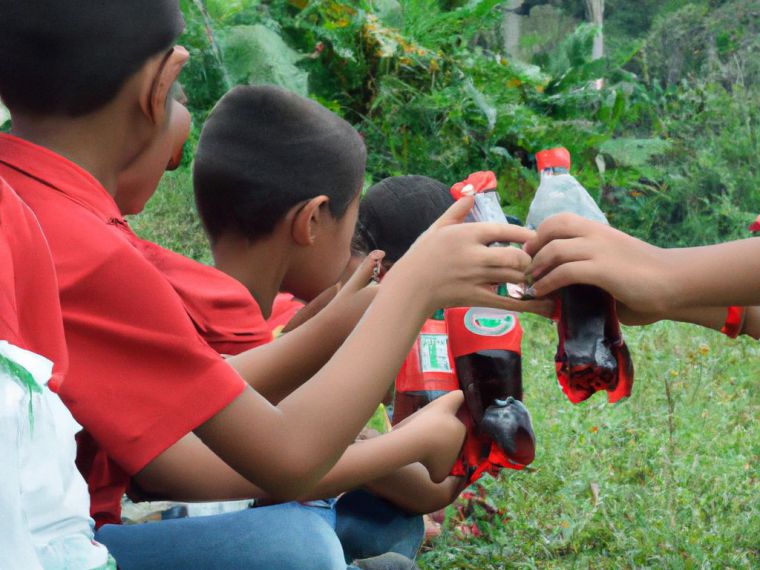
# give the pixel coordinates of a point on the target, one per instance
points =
(513, 83)
(704, 349)
(674, 373)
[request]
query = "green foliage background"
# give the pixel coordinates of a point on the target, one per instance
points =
(669, 145)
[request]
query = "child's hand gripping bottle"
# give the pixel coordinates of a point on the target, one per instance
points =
(591, 354)
(487, 208)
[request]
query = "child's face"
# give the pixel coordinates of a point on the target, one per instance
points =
(327, 257)
(139, 181)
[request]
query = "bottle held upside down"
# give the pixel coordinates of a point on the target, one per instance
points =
(486, 346)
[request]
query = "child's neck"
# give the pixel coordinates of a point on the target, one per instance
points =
(92, 142)
(260, 267)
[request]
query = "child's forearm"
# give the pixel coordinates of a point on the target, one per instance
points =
(752, 322)
(357, 378)
(276, 369)
(315, 437)
(709, 317)
(411, 489)
(189, 471)
(715, 317)
(386, 467)
(716, 275)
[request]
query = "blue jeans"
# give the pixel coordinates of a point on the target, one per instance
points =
(320, 536)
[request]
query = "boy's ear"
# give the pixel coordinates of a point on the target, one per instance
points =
(307, 220)
(154, 100)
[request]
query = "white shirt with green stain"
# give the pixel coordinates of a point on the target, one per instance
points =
(45, 522)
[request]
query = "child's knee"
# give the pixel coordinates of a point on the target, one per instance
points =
(317, 548)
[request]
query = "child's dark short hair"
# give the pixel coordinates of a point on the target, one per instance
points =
(71, 57)
(397, 210)
(262, 151)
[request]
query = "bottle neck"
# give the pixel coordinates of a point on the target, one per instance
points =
(553, 171)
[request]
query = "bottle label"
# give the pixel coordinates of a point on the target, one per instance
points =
(434, 353)
(489, 322)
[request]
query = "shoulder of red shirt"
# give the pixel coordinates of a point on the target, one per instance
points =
(30, 312)
(140, 375)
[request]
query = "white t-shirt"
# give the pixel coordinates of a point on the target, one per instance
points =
(45, 506)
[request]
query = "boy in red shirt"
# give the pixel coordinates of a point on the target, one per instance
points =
(224, 312)
(87, 84)
(46, 521)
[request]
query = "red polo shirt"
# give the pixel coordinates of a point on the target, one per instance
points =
(30, 314)
(224, 312)
(140, 375)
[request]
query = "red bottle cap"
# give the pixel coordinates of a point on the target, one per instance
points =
(553, 158)
(754, 227)
(477, 182)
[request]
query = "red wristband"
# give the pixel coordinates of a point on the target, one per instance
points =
(734, 320)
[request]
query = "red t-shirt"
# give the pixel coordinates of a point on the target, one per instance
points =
(140, 376)
(30, 314)
(224, 312)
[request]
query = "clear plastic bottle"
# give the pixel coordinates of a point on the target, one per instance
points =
(559, 191)
(591, 354)
(487, 208)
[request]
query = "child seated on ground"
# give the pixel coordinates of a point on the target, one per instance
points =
(158, 404)
(45, 508)
(225, 313)
(651, 283)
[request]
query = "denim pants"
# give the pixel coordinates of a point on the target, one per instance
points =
(321, 535)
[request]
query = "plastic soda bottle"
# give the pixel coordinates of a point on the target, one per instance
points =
(486, 345)
(591, 354)
(428, 371)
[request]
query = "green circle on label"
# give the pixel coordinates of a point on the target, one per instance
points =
(489, 322)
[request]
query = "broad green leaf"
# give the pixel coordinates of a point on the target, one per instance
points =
(256, 54)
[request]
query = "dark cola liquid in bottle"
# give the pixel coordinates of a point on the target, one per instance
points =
(591, 354)
(588, 359)
(486, 348)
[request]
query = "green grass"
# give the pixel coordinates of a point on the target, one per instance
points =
(676, 466)
(170, 218)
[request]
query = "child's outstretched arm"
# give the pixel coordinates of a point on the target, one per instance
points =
(569, 249)
(286, 450)
(708, 317)
(433, 437)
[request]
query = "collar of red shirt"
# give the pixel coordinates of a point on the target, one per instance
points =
(59, 173)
